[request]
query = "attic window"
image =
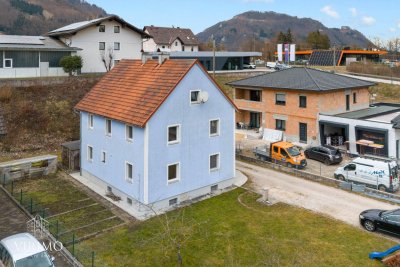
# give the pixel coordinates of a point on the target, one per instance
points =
(116, 29)
(176, 43)
(102, 28)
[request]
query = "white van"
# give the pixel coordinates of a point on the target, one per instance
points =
(22, 250)
(376, 173)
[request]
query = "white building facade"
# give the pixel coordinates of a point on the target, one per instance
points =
(103, 42)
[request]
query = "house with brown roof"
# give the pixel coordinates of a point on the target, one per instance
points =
(170, 39)
(102, 42)
(157, 133)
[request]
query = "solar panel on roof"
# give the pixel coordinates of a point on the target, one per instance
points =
(324, 58)
(20, 39)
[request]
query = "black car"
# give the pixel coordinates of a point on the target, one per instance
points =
(384, 220)
(326, 154)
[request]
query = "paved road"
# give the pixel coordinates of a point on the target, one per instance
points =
(336, 203)
(370, 79)
(13, 221)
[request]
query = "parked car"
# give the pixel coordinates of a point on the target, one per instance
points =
(384, 220)
(282, 66)
(326, 154)
(249, 65)
(270, 65)
(377, 173)
(22, 250)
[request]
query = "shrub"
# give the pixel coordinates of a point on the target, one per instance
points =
(71, 64)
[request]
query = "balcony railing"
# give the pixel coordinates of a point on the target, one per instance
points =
(248, 104)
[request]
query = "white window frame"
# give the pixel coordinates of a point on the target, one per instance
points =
(89, 155)
(109, 134)
(4, 63)
(178, 173)
(218, 127)
(90, 121)
(128, 179)
(218, 162)
(190, 97)
(103, 156)
(119, 46)
(126, 133)
(178, 134)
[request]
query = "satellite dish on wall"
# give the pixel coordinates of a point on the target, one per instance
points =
(203, 96)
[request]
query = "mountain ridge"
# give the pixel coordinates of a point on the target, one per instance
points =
(266, 25)
(37, 17)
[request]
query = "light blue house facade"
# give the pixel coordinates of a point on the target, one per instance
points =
(183, 146)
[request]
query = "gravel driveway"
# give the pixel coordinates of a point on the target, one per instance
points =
(336, 203)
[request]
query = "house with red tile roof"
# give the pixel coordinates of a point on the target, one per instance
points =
(156, 134)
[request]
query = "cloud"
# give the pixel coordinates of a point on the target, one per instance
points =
(328, 10)
(392, 29)
(368, 20)
(258, 1)
(353, 11)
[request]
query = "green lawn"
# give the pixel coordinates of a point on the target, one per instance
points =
(223, 232)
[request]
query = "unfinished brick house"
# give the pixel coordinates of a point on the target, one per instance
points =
(291, 100)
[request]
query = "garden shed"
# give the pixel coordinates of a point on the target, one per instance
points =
(71, 155)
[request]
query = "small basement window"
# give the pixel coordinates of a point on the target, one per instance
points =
(103, 156)
(354, 98)
(214, 188)
(8, 63)
(173, 201)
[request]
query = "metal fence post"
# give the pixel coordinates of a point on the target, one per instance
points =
(4, 180)
(12, 188)
(43, 213)
(93, 258)
(20, 197)
(73, 245)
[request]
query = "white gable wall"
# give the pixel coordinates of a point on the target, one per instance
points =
(88, 40)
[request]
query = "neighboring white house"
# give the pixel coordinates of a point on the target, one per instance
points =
(170, 40)
(32, 56)
(374, 130)
(109, 38)
(157, 133)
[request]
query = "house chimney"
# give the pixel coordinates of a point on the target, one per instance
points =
(162, 56)
(145, 56)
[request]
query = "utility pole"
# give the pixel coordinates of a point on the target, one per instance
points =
(213, 58)
(334, 58)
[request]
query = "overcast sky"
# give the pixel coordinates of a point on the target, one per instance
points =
(372, 18)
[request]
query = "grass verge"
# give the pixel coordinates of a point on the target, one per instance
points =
(222, 231)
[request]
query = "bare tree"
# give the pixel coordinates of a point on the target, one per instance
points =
(107, 57)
